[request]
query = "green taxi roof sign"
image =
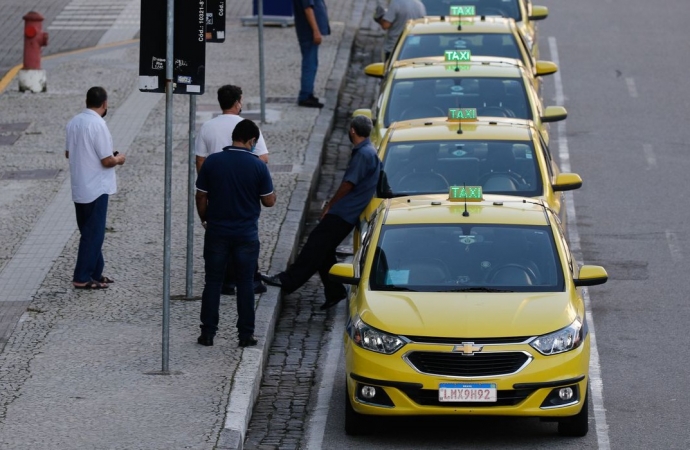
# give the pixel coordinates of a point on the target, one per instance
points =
(462, 10)
(462, 114)
(465, 194)
(457, 55)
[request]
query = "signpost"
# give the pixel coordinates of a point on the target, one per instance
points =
(172, 59)
(215, 20)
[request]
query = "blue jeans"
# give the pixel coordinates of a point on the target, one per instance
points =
(310, 62)
(220, 251)
(91, 223)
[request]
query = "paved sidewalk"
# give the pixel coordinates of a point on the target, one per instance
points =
(73, 364)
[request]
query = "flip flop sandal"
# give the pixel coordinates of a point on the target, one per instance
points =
(91, 285)
(106, 280)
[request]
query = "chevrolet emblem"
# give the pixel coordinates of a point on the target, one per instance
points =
(468, 348)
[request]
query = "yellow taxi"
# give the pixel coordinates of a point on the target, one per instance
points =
(495, 87)
(502, 155)
(522, 11)
(470, 305)
(483, 36)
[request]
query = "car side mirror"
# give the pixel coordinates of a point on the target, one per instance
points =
(567, 182)
(375, 70)
(591, 276)
(362, 112)
(546, 68)
(539, 13)
(554, 114)
(343, 273)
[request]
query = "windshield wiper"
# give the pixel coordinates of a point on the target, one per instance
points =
(476, 289)
(392, 287)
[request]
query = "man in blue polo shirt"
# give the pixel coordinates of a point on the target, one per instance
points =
(231, 187)
(338, 218)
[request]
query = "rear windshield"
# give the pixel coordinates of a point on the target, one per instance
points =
(431, 167)
(432, 97)
(487, 44)
(472, 258)
(503, 8)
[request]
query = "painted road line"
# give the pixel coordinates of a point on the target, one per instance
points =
(595, 381)
(632, 89)
(319, 415)
(649, 154)
(674, 246)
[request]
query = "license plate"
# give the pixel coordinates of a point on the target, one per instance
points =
(467, 392)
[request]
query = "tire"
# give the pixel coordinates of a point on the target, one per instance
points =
(577, 425)
(355, 424)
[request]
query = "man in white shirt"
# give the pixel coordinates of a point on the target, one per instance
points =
(394, 19)
(215, 135)
(92, 172)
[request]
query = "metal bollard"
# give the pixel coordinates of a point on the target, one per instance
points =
(32, 77)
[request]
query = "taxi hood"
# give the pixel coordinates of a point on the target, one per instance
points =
(474, 315)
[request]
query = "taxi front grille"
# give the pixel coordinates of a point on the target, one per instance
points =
(459, 365)
(429, 397)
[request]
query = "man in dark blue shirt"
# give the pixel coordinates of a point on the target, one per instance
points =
(231, 187)
(311, 24)
(338, 219)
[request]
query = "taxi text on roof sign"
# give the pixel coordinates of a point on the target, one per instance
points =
(462, 114)
(457, 55)
(465, 194)
(462, 10)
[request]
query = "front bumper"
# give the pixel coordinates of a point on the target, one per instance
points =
(531, 391)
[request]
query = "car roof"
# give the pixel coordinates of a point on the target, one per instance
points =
(441, 129)
(475, 24)
(492, 210)
(480, 66)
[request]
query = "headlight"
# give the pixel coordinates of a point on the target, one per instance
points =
(372, 339)
(569, 338)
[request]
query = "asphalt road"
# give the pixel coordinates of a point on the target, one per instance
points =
(622, 79)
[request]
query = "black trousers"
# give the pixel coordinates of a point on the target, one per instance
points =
(318, 255)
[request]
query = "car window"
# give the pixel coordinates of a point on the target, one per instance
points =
(479, 257)
(432, 97)
(504, 8)
(501, 45)
(431, 167)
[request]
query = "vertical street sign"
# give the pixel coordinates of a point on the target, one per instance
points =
(189, 46)
(215, 20)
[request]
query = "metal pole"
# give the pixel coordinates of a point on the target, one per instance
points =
(190, 198)
(262, 81)
(168, 182)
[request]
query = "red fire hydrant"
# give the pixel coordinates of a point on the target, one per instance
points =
(34, 39)
(31, 77)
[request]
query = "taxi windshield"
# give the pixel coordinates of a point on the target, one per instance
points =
(503, 8)
(501, 45)
(466, 258)
(432, 97)
(431, 167)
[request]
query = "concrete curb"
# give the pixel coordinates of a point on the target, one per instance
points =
(247, 380)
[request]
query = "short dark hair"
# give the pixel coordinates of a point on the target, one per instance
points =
(362, 125)
(95, 97)
(245, 131)
(228, 95)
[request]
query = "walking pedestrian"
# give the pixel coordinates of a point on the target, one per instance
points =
(92, 163)
(214, 136)
(394, 18)
(338, 218)
(231, 187)
(311, 24)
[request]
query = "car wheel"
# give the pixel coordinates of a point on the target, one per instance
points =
(355, 424)
(577, 425)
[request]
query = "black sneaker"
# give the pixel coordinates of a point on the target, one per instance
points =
(259, 288)
(228, 289)
(272, 280)
(248, 342)
(310, 102)
(205, 340)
